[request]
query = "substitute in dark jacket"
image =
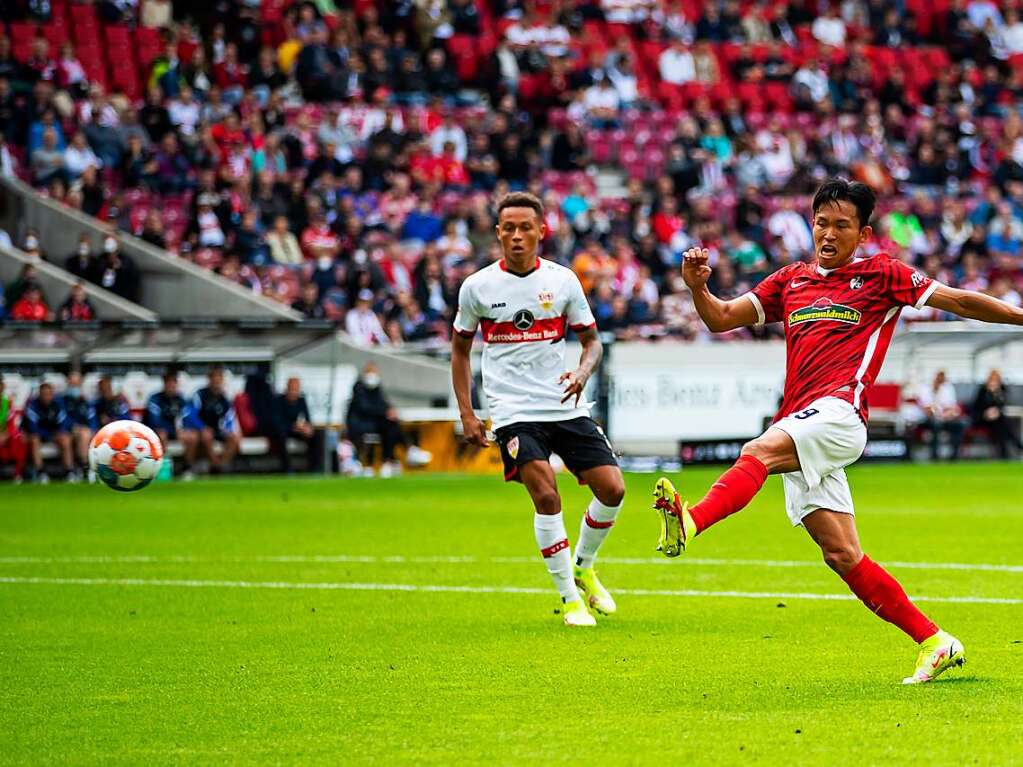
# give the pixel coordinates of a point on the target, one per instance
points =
(989, 413)
(370, 412)
(292, 421)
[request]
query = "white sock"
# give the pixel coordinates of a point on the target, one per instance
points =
(596, 524)
(557, 555)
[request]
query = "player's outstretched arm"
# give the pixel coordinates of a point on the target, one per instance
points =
(974, 306)
(719, 316)
(461, 379)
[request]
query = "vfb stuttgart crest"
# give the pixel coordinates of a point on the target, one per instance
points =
(546, 299)
(513, 447)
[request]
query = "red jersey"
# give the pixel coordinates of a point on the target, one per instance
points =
(838, 324)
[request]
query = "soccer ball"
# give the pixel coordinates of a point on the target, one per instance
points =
(126, 455)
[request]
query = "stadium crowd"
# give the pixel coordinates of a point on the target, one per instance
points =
(345, 158)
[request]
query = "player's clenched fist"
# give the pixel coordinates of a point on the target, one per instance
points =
(695, 271)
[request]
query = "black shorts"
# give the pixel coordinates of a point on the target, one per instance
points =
(580, 442)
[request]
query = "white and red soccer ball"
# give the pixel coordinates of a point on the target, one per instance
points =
(125, 455)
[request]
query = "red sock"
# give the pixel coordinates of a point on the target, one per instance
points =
(883, 595)
(733, 490)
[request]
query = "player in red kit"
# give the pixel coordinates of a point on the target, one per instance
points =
(840, 313)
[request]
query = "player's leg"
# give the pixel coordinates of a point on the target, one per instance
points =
(206, 442)
(230, 444)
(551, 537)
(35, 450)
(81, 435)
(189, 439)
(587, 453)
(773, 452)
(608, 487)
(835, 533)
(62, 440)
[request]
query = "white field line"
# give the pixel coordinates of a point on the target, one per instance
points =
(428, 588)
(427, 560)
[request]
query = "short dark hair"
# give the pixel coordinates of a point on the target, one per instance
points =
(840, 189)
(521, 200)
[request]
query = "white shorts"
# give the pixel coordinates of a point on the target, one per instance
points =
(829, 436)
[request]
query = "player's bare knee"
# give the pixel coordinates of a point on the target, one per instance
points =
(841, 557)
(547, 501)
(610, 493)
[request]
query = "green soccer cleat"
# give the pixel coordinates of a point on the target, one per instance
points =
(677, 525)
(937, 655)
(576, 614)
(596, 596)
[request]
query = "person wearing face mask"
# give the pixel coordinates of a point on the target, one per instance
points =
(82, 263)
(117, 272)
(31, 245)
(370, 412)
(80, 415)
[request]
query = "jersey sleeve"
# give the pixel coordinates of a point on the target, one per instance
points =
(905, 286)
(766, 298)
(577, 311)
(468, 316)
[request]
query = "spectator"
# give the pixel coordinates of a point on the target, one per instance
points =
(27, 276)
(362, 324)
(117, 272)
(370, 412)
(249, 242)
(45, 420)
(829, 28)
(152, 229)
(31, 307)
(601, 103)
(292, 421)
(12, 443)
(48, 160)
(941, 414)
(82, 264)
(81, 417)
(71, 75)
(449, 132)
(792, 228)
(78, 156)
(77, 307)
(212, 415)
(284, 247)
(676, 64)
(165, 414)
(309, 305)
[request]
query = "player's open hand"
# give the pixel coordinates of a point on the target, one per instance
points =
(475, 431)
(574, 382)
(695, 271)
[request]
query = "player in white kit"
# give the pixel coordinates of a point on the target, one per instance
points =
(523, 306)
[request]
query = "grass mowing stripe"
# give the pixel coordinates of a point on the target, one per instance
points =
(456, 560)
(354, 586)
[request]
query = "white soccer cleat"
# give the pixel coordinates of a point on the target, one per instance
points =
(416, 457)
(937, 655)
(576, 614)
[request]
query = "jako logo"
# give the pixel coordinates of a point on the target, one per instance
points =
(825, 309)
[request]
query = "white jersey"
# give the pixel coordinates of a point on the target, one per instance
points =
(523, 320)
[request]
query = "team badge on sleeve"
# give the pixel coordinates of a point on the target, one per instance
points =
(513, 447)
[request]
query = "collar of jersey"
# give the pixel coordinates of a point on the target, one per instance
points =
(504, 268)
(825, 272)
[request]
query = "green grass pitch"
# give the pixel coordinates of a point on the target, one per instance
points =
(411, 621)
